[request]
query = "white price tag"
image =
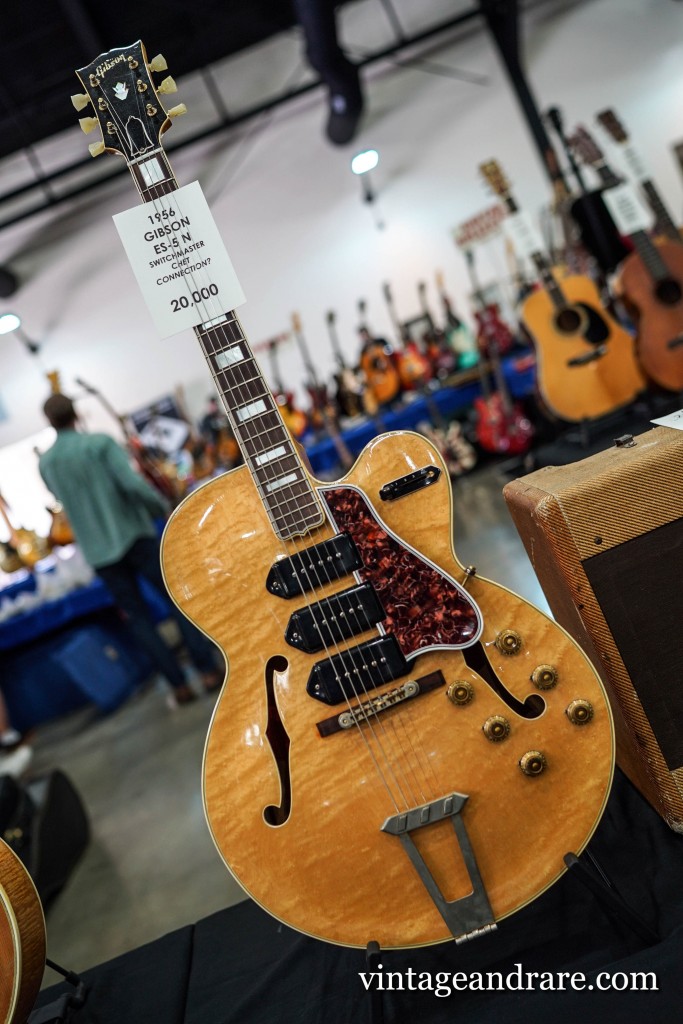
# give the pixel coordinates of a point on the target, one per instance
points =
(628, 210)
(523, 234)
(179, 259)
(674, 419)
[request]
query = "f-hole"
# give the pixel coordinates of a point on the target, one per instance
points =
(279, 744)
(475, 658)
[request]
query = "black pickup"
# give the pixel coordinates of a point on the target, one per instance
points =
(338, 617)
(353, 672)
(314, 567)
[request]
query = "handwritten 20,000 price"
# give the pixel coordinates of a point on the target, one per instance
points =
(194, 298)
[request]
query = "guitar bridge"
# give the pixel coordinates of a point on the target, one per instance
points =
(470, 915)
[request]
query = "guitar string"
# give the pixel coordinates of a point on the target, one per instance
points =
(157, 200)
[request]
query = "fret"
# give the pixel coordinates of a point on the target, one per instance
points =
(277, 471)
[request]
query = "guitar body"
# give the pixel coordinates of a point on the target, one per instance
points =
(297, 815)
(588, 389)
(659, 311)
(413, 367)
(490, 327)
(382, 377)
(499, 430)
(22, 939)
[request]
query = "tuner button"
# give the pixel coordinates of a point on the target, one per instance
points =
(96, 148)
(508, 641)
(579, 712)
(460, 692)
(177, 111)
(532, 763)
(168, 85)
(496, 728)
(88, 123)
(158, 63)
(544, 677)
(80, 100)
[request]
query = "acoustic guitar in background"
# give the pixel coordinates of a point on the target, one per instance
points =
(377, 362)
(22, 939)
(664, 222)
(586, 364)
(650, 282)
(404, 751)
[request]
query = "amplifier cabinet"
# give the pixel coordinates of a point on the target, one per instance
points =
(605, 538)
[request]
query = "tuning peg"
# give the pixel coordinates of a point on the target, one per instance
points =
(158, 63)
(80, 100)
(168, 85)
(88, 123)
(96, 148)
(177, 111)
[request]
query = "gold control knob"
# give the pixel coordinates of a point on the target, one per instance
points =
(88, 123)
(80, 100)
(544, 677)
(168, 85)
(96, 148)
(460, 692)
(158, 63)
(579, 712)
(496, 728)
(177, 111)
(532, 763)
(508, 641)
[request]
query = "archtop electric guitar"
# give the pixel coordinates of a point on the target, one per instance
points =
(403, 751)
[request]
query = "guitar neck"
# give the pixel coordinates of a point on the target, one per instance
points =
(268, 450)
(543, 268)
(664, 220)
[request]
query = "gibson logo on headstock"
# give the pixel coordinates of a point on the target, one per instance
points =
(108, 65)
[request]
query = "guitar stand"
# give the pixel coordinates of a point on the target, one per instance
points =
(607, 894)
(59, 1010)
(596, 881)
(372, 954)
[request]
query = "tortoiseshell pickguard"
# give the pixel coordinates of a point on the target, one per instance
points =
(424, 608)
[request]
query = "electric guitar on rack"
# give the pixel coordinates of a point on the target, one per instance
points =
(29, 547)
(377, 363)
(586, 364)
(322, 413)
(459, 335)
(650, 282)
(404, 751)
(664, 222)
(413, 366)
(351, 397)
(443, 359)
(502, 427)
(22, 939)
(295, 420)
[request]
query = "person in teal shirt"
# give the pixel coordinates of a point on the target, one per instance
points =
(112, 512)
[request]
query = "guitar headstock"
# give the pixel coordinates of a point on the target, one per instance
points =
(585, 147)
(495, 178)
(125, 101)
(386, 289)
(611, 123)
(296, 323)
(331, 317)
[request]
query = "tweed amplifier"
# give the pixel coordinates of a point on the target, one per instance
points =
(605, 538)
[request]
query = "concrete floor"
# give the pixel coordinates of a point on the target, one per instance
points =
(151, 865)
